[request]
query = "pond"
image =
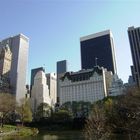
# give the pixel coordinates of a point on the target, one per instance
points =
(61, 135)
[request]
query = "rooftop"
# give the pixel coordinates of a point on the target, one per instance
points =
(96, 35)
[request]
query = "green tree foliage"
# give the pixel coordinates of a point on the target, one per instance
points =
(77, 109)
(24, 110)
(7, 106)
(126, 114)
(43, 111)
(62, 115)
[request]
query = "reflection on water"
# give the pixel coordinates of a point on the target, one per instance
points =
(50, 137)
(62, 135)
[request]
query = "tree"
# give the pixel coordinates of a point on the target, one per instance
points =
(77, 109)
(7, 106)
(24, 111)
(116, 116)
(127, 114)
(62, 115)
(95, 124)
(43, 111)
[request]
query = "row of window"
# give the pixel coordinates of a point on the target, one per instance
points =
(89, 92)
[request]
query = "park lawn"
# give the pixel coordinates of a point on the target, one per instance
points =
(7, 128)
(19, 131)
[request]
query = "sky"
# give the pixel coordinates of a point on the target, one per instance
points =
(54, 28)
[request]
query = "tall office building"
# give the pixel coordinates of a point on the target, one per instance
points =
(134, 40)
(61, 68)
(19, 46)
(98, 49)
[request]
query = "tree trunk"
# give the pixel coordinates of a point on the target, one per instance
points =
(22, 123)
(2, 121)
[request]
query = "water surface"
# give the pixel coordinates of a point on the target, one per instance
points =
(61, 135)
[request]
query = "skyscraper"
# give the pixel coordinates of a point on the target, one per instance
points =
(61, 69)
(19, 46)
(33, 73)
(134, 40)
(98, 49)
(61, 66)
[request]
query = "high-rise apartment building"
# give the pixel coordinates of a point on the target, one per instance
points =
(98, 49)
(134, 40)
(19, 46)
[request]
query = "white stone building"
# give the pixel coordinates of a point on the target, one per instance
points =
(116, 87)
(40, 91)
(85, 85)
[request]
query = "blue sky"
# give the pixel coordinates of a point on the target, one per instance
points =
(55, 26)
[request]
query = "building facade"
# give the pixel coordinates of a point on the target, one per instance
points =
(5, 61)
(51, 82)
(40, 91)
(134, 40)
(98, 49)
(85, 85)
(116, 86)
(5, 66)
(19, 46)
(61, 69)
(33, 73)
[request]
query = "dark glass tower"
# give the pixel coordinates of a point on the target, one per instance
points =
(98, 49)
(134, 40)
(61, 68)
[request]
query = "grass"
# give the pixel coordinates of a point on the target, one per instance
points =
(7, 128)
(18, 131)
(26, 131)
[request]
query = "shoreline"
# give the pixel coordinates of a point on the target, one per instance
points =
(11, 130)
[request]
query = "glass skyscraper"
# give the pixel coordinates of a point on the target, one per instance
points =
(61, 68)
(98, 49)
(134, 40)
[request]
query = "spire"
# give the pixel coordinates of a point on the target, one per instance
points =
(96, 62)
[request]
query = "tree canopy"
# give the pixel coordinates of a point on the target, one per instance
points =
(24, 111)
(7, 105)
(119, 115)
